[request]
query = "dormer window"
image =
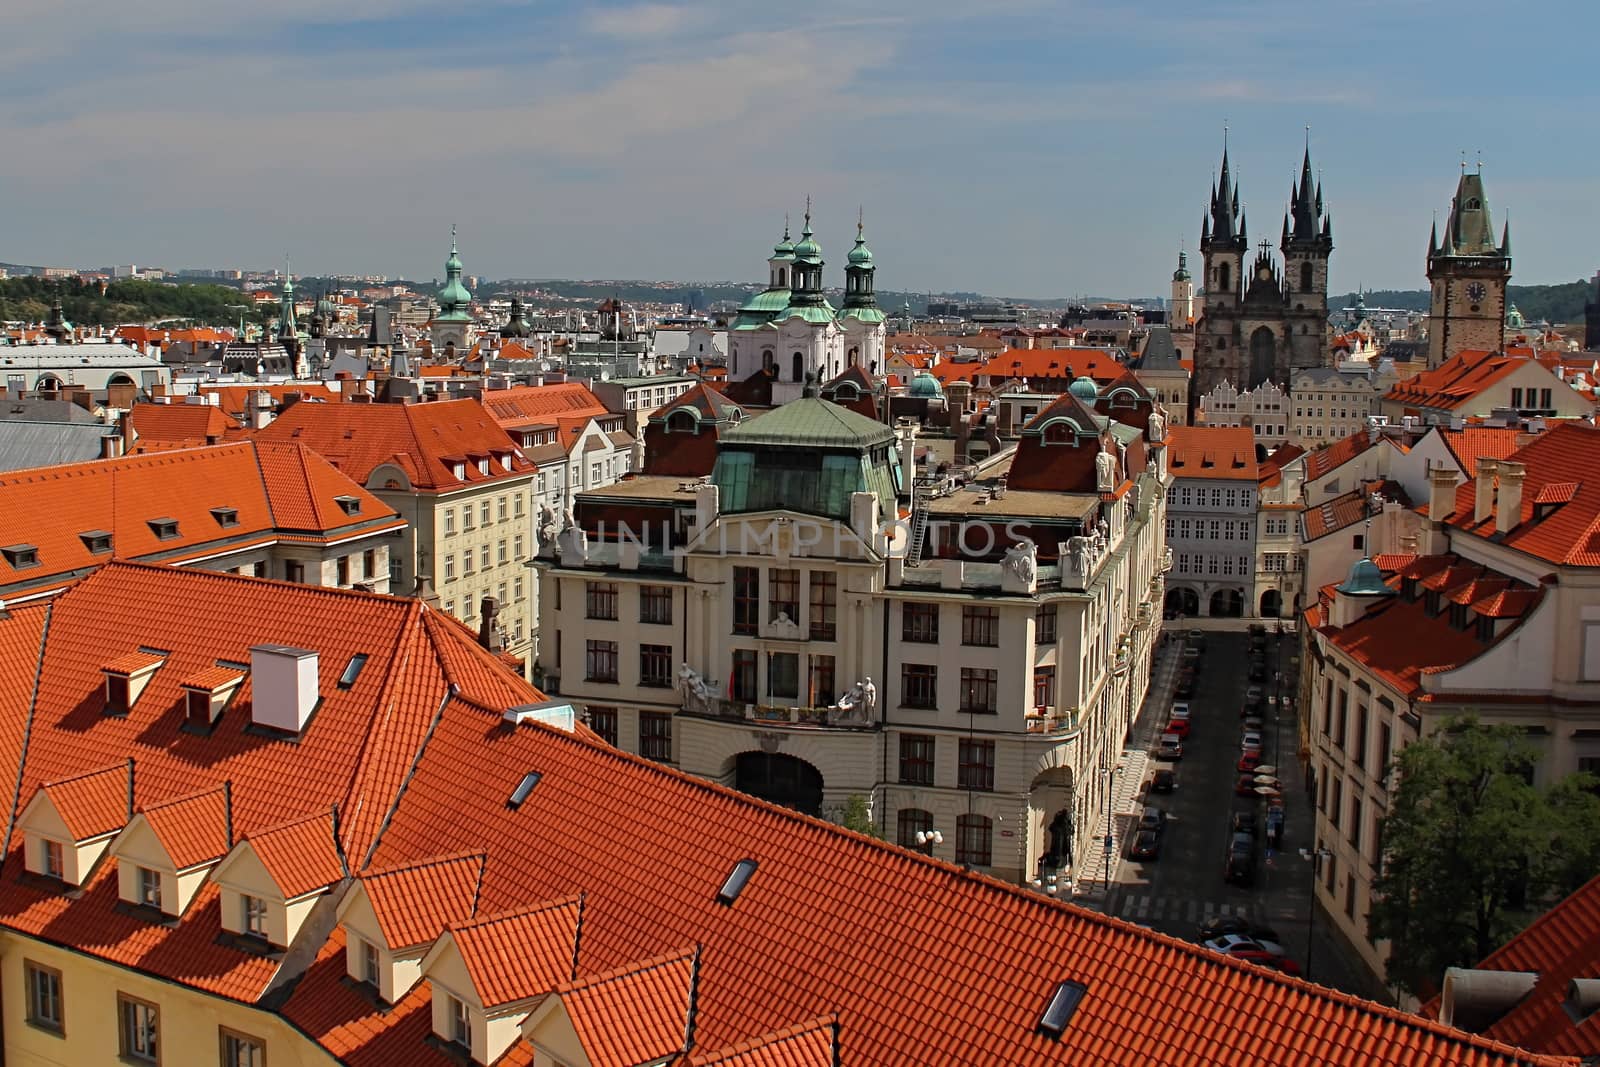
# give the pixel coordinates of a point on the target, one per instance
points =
(483, 464)
(148, 890)
(52, 860)
(227, 518)
(460, 1023)
(348, 504)
(206, 696)
(21, 557)
(98, 542)
(126, 678)
(164, 529)
(253, 913)
(458, 468)
(368, 955)
(505, 460)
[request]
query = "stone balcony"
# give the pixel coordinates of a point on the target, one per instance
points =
(731, 710)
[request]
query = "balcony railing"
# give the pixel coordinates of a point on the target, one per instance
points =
(1051, 725)
(714, 707)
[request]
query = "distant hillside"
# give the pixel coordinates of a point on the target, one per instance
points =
(29, 299)
(1557, 303)
(701, 295)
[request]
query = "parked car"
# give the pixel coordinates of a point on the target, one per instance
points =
(1153, 819)
(1163, 781)
(1191, 654)
(1177, 726)
(1170, 747)
(1275, 827)
(1180, 710)
(1254, 722)
(1243, 822)
(1240, 866)
(1185, 687)
(1245, 786)
(1250, 740)
(1197, 638)
(1267, 959)
(1146, 845)
(1258, 671)
(1228, 944)
(1233, 924)
(1249, 762)
(1254, 694)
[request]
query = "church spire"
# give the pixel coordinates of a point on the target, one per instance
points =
(288, 328)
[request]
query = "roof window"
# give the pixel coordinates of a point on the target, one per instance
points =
(164, 529)
(524, 787)
(352, 670)
(1063, 1003)
(21, 557)
(734, 884)
(350, 505)
(226, 517)
(97, 542)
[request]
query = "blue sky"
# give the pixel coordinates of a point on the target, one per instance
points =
(1012, 146)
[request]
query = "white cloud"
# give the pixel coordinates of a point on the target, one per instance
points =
(640, 20)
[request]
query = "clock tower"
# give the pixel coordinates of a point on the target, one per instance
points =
(1467, 275)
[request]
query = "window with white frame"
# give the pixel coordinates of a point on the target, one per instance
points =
(148, 886)
(255, 914)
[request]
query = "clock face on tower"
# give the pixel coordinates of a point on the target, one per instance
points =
(1475, 292)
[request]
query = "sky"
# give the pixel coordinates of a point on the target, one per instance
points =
(1025, 148)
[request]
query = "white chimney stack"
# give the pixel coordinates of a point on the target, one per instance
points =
(283, 683)
(1508, 508)
(1483, 500)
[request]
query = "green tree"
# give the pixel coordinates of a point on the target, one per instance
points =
(858, 816)
(1470, 845)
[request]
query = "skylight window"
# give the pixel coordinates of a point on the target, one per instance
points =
(1063, 1003)
(21, 557)
(352, 670)
(96, 541)
(524, 787)
(734, 884)
(164, 529)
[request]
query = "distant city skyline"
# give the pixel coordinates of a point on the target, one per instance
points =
(1019, 148)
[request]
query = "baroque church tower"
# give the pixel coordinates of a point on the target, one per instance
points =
(451, 330)
(1467, 275)
(1264, 323)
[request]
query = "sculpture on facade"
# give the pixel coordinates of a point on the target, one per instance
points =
(1078, 555)
(1021, 561)
(547, 528)
(1105, 470)
(782, 626)
(573, 541)
(694, 686)
(859, 701)
(1156, 430)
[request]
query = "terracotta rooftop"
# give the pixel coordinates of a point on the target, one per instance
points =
(539, 405)
(1456, 381)
(522, 953)
(1055, 364)
(193, 829)
(163, 427)
(656, 996)
(1472, 443)
(1217, 452)
(1560, 514)
(302, 856)
(414, 902)
(93, 804)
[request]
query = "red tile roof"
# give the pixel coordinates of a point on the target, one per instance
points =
(520, 954)
(538, 405)
(193, 829)
(93, 804)
(414, 902)
(1473, 443)
(1456, 381)
(1564, 526)
(809, 1044)
(1223, 452)
(656, 997)
(1330, 457)
(238, 401)
(163, 427)
(424, 441)
(1043, 364)
(302, 856)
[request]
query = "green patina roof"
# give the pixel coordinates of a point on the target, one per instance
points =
(1365, 580)
(812, 422)
(925, 385)
(871, 314)
(819, 313)
(768, 300)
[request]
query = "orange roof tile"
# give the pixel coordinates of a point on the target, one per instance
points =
(424, 441)
(212, 678)
(1050, 364)
(655, 996)
(193, 829)
(1473, 443)
(302, 856)
(1456, 381)
(520, 954)
(1226, 452)
(1564, 526)
(237, 401)
(162, 427)
(1330, 457)
(414, 902)
(539, 405)
(133, 662)
(808, 1044)
(93, 804)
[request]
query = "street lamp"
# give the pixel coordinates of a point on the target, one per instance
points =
(1317, 859)
(1110, 842)
(927, 839)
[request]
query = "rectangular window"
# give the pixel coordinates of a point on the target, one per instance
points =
(466, 562)
(783, 675)
(601, 661)
(255, 915)
(44, 996)
(1336, 809)
(149, 887)
(980, 626)
(919, 623)
(1516, 398)
(1358, 755)
(919, 685)
(600, 600)
(916, 759)
(516, 591)
(1044, 687)
(369, 564)
(449, 521)
(655, 735)
(744, 675)
(137, 1022)
(979, 690)
(483, 557)
(1384, 741)
(910, 823)
(655, 666)
(483, 513)
(603, 721)
(516, 547)
(976, 768)
(1340, 717)
(973, 834)
(746, 600)
(466, 517)
(51, 858)
(655, 604)
(500, 553)
(341, 570)
(369, 963)
(460, 1021)
(1544, 399)
(824, 605)
(1044, 625)
(783, 592)
(500, 509)
(821, 685)
(1355, 823)
(240, 1050)
(450, 567)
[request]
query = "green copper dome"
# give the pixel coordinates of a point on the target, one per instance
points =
(860, 255)
(454, 300)
(808, 251)
(784, 249)
(1365, 580)
(1514, 318)
(1085, 389)
(925, 386)
(1182, 273)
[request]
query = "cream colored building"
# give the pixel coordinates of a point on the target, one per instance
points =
(1265, 409)
(738, 643)
(1329, 404)
(1488, 611)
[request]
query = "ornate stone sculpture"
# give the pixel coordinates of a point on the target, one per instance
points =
(859, 701)
(547, 528)
(1105, 471)
(1157, 427)
(1020, 560)
(694, 686)
(783, 627)
(1078, 555)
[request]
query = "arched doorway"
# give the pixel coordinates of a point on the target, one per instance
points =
(1051, 796)
(782, 779)
(1180, 601)
(1227, 604)
(1271, 604)
(1263, 355)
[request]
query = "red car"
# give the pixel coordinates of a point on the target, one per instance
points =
(1245, 786)
(1177, 726)
(1267, 959)
(1249, 762)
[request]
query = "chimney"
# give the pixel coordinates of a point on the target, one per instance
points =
(488, 628)
(1508, 506)
(284, 684)
(111, 446)
(1483, 502)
